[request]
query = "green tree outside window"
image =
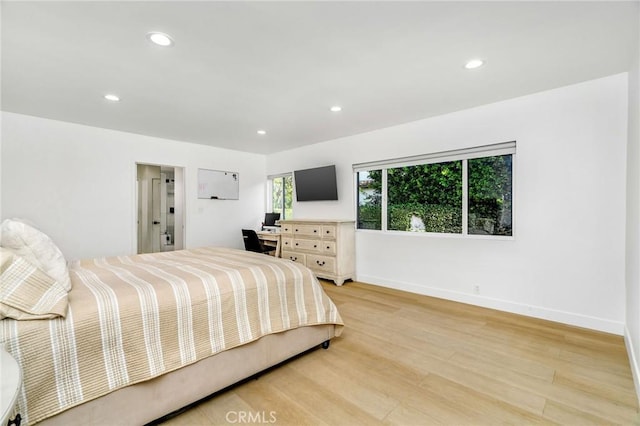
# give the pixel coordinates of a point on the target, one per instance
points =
(282, 196)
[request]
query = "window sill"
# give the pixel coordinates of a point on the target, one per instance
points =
(438, 235)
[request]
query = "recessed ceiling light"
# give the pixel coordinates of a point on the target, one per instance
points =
(474, 63)
(112, 98)
(262, 132)
(161, 39)
(336, 108)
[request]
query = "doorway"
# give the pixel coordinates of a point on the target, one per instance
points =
(160, 208)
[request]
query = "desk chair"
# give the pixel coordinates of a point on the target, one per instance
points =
(253, 243)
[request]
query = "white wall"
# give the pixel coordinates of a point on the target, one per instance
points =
(77, 184)
(566, 262)
(632, 332)
(1, 133)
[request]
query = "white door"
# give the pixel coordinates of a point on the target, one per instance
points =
(156, 215)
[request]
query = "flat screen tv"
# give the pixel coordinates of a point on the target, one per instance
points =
(317, 184)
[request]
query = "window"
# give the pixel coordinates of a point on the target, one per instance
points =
(370, 199)
(425, 198)
(490, 191)
(466, 192)
(282, 195)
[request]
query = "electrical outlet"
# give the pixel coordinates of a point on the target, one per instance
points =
(476, 289)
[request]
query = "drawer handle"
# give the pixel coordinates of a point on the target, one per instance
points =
(315, 246)
(293, 258)
(327, 231)
(328, 247)
(296, 243)
(315, 230)
(296, 230)
(320, 263)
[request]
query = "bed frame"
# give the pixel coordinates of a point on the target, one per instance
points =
(145, 402)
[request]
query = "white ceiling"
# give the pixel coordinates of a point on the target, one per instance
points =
(237, 67)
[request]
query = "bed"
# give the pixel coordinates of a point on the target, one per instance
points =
(145, 335)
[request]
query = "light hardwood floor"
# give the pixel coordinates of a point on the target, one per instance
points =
(406, 359)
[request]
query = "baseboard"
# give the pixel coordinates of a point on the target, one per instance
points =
(633, 361)
(564, 317)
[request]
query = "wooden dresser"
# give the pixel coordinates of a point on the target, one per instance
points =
(327, 247)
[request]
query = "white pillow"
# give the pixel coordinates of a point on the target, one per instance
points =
(37, 248)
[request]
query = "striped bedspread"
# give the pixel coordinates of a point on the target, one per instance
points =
(132, 318)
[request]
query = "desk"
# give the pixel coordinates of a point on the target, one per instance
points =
(10, 383)
(270, 239)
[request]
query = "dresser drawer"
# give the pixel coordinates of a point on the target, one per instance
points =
(295, 257)
(307, 229)
(287, 243)
(286, 229)
(321, 263)
(307, 245)
(329, 231)
(328, 247)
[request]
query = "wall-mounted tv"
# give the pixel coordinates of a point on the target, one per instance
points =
(317, 184)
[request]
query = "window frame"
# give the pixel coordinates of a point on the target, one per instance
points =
(506, 148)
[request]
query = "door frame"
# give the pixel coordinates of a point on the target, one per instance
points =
(179, 204)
